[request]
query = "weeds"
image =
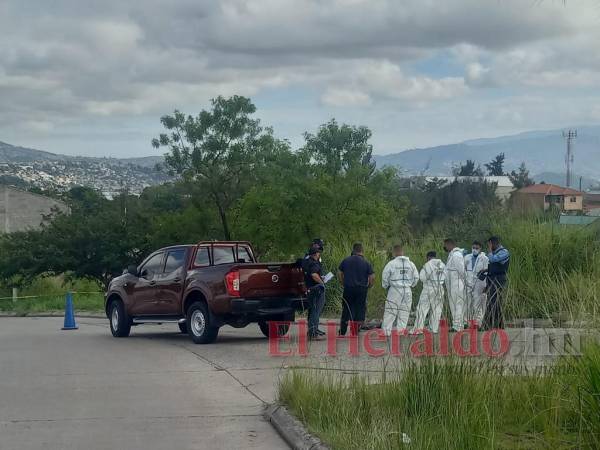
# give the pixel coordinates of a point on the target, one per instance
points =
(452, 405)
(554, 272)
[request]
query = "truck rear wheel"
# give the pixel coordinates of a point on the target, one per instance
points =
(119, 322)
(198, 324)
(282, 329)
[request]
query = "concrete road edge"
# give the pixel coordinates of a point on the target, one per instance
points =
(291, 429)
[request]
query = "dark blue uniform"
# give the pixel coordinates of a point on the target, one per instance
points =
(499, 260)
(316, 294)
(356, 270)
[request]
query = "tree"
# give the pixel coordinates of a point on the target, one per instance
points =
(340, 149)
(328, 189)
(520, 178)
(96, 240)
(217, 150)
(468, 169)
(442, 201)
(496, 166)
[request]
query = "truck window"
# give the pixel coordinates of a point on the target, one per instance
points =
(175, 260)
(223, 255)
(244, 255)
(152, 266)
(202, 258)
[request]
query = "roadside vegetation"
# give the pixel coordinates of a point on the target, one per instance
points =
(554, 272)
(452, 405)
(238, 180)
(48, 294)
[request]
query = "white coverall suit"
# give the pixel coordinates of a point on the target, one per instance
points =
(400, 275)
(432, 276)
(455, 286)
(476, 297)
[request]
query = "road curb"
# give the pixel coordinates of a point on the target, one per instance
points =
(291, 429)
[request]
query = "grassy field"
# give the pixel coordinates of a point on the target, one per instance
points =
(48, 294)
(452, 405)
(554, 273)
(49, 303)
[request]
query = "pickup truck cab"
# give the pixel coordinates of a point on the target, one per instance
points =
(202, 287)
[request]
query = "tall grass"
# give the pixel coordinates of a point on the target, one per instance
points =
(52, 303)
(554, 272)
(47, 294)
(452, 405)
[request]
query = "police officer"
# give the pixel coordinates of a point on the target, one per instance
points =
(495, 276)
(357, 276)
(319, 244)
(316, 292)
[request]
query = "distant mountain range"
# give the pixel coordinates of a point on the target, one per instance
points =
(14, 154)
(26, 167)
(542, 151)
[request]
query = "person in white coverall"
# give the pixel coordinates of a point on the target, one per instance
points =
(431, 301)
(455, 283)
(400, 275)
(475, 262)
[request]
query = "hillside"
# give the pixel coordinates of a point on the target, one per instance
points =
(26, 167)
(542, 151)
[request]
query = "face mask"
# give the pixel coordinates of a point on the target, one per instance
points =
(476, 251)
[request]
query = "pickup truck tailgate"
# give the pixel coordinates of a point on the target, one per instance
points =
(270, 280)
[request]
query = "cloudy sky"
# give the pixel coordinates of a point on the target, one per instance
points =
(93, 77)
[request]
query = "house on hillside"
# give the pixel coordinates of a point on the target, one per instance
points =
(22, 210)
(504, 186)
(545, 196)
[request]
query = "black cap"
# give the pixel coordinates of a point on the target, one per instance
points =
(318, 242)
(314, 250)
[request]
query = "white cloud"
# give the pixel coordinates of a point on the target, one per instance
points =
(67, 63)
(345, 97)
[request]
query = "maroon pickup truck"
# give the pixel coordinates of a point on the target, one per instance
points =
(203, 287)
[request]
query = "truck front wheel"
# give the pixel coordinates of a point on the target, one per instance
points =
(281, 329)
(198, 324)
(119, 322)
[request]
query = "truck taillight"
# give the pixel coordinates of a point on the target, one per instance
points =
(232, 283)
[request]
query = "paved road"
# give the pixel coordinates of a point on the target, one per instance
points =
(155, 390)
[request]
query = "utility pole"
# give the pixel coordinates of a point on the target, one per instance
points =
(569, 136)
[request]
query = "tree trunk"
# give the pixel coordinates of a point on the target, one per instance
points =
(223, 217)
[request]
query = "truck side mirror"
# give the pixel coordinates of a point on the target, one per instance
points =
(132, 270)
